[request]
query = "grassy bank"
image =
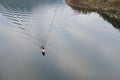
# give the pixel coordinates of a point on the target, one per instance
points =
(101, 5)
(108, 9)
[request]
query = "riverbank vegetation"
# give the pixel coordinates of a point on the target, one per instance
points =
(108, 9)
(101, 5)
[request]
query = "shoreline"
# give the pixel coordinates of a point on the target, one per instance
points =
(92, 6)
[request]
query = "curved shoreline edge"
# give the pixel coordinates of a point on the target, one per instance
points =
(93, 5)
(112, 16)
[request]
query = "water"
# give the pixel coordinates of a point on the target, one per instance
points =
(79, 46)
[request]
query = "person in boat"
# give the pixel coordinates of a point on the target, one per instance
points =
(43, 50)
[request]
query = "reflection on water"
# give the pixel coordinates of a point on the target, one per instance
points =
(113, 17)
(78, 46)
(115, 22)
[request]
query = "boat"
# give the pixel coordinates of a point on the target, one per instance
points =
(43, 50)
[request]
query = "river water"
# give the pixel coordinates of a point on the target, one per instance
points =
(78, 46)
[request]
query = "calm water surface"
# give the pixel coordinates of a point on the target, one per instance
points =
(79, 46)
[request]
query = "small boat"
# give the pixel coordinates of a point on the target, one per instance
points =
(43, 50)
